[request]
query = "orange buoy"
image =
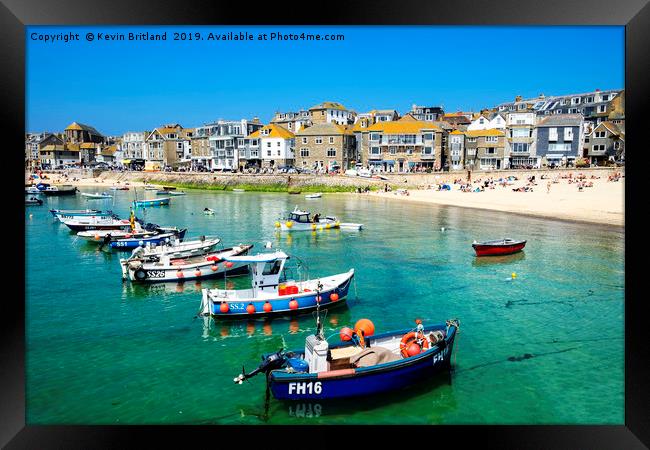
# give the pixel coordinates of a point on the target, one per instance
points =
(250, 309)
(214, 267)
(346, 334)
(179, 274)
(197, 273)
(366, 325)
(224, 308)
(334, 296)
(293, 304)
(268, 307)
(229, 264)
(413, 349)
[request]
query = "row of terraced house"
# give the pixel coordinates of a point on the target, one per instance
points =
(536, 132)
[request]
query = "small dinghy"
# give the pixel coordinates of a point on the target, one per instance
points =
(63, 189)
(157, 238)
(60, 214)
(168, 268)
(119, 188)
(33, 201)
(498, 247)
(33, 190)
(316, 195)
(362, 364)
(151, 202)
(298, 220)
(239, 190)
(96, 223)
(151, 188)
(271, 293)
(208, 211)
(170, 193)
(176, 249)
(91, 196)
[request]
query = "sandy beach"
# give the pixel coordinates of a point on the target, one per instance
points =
(603, 203)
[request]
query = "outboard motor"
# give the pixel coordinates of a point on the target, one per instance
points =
(271, 362)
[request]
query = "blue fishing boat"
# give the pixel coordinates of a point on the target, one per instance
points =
(272, 292)
(129, 243)
(362, 364)
(65, 214)
(152, 202)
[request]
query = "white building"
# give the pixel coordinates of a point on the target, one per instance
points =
(276, 145)
(521, 139)
(485, 123)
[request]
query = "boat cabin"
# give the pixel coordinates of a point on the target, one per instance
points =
(266, 270)
(299, 216)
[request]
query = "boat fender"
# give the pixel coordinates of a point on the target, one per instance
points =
(410, 338)
(140, 274)
(359, 334)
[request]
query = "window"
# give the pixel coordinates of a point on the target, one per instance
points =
(559, 147)
(331, 139)
(490, 151)
(427, 151)
(601, 134)
(268, 153)
(481, 121)
(471, 139)
(268, 144)
(278, 152)
(568, 134)
(319, 140)
(573, 110)
(617, 145)
(519, 132)
(375, 151)
(392, 149)
(552, 134)
(304, 140)
(575, 100)
(602, 108)
(279, 143)
(491, 138)
(520, 147)
(409, 150)
(428, 137)
(374, 136)
(605, 97)
(304, 152)
(331, 152)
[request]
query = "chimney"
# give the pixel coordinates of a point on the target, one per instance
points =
(518, 98)
(597, 90)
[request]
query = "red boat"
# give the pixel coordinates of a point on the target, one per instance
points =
(499, 247)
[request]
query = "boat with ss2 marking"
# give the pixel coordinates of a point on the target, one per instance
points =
(362, 364)
(272, 293)
(170, 268)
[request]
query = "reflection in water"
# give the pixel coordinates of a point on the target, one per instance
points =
(436, 390)
(480, 261)
(273, 325)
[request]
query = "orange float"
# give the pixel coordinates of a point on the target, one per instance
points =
(366, 325)
(405, 346)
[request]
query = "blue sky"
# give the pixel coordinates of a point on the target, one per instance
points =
(138, 85)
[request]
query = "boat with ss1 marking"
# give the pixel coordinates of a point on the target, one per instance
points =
(272, 293)
(169, 268)
(362, 364)
(158, 237)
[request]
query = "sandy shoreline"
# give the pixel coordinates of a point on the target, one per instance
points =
(603, 203)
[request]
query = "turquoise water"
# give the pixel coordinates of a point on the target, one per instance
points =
(544, 348)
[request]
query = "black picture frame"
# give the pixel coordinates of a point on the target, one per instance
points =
(633, 14)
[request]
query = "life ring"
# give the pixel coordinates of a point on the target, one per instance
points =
(140, 274)
(408, 339)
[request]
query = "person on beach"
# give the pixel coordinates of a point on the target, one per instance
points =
(548, 187)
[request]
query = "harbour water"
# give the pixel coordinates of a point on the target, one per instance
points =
(544, 347)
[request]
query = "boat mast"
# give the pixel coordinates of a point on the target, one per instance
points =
(319, 323)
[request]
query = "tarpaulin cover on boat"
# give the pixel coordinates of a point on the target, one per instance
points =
(373, 356)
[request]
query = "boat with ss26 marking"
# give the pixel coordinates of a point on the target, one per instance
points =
(272, 293)
(170, 268)
(362, 364)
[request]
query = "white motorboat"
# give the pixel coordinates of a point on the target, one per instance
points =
(272, 293)
(91, 196)
(299, 220)
(316, 195)
(175, 249)
(169, 268)
(208, 211)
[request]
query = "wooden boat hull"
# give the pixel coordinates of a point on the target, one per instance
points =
(498, 249)
(365, 381)
(280, 304)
